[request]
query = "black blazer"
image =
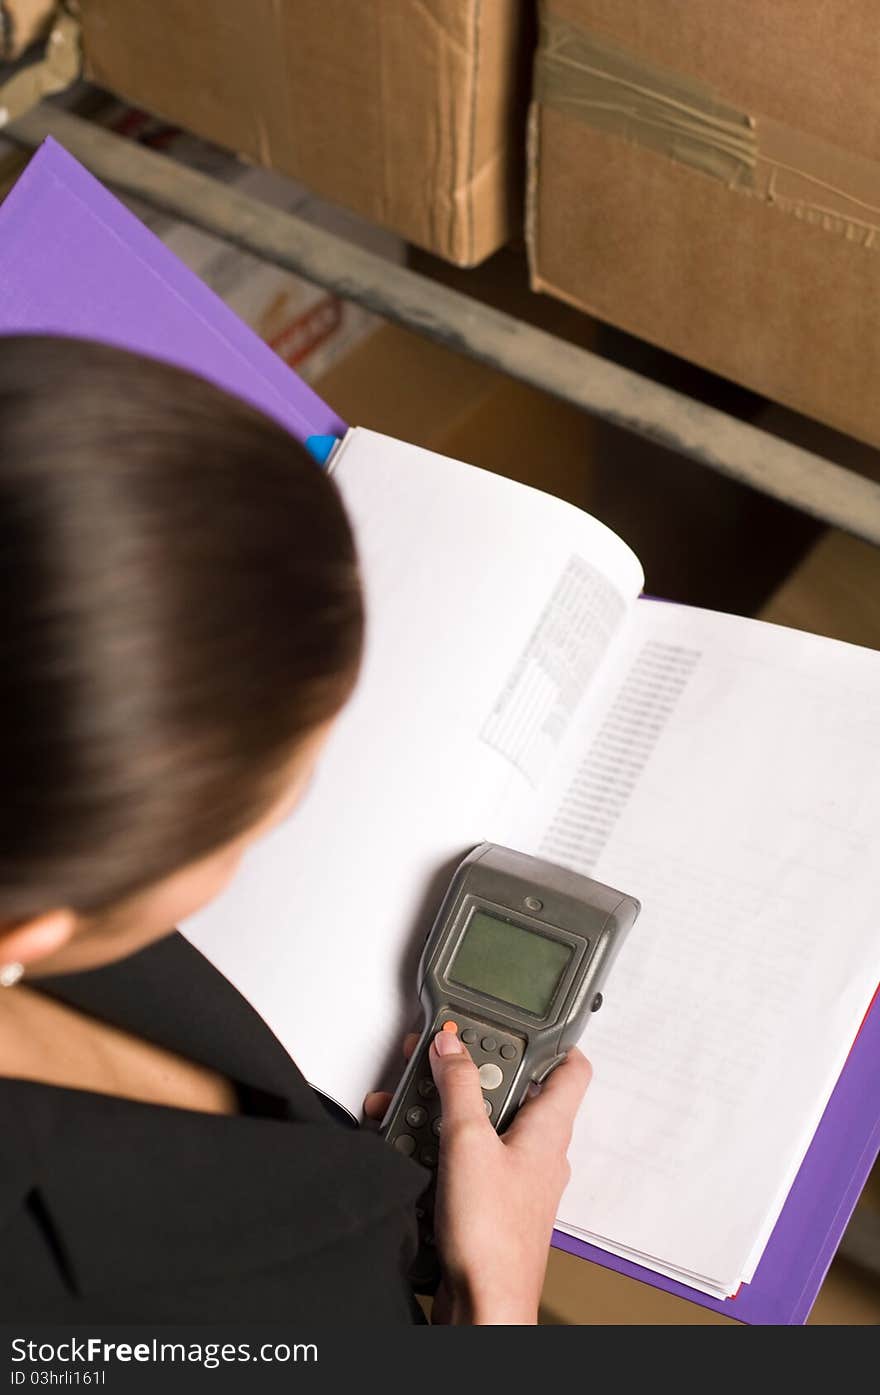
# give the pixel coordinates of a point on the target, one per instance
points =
(117, 1210)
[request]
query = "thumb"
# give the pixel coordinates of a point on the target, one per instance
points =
(457, 1080)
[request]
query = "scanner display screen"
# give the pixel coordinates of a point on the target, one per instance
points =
(509, 962)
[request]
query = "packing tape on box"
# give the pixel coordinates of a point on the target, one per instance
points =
(59, 67)
(594, 81)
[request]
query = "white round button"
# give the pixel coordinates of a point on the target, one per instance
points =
(491, 1075)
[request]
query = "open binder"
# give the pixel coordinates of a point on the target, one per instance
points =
(74, 261)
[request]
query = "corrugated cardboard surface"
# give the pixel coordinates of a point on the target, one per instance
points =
(744, 286)
(834, 591)
(410, 113)
(21, 22)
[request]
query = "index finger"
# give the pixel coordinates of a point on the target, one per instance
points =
(549, 1117)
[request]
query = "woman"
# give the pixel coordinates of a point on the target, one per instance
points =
(183, 622)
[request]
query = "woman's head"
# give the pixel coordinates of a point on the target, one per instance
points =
(181, 621)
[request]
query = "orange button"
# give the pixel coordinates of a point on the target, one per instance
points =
(450, 1026)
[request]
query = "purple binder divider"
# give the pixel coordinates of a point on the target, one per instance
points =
(75, 261)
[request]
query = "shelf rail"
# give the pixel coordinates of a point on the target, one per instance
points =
(818, 487)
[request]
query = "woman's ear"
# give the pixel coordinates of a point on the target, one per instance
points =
(36, 939)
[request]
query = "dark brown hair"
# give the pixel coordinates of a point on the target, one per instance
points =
(180, 608)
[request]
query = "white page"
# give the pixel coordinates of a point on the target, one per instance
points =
(731, 781)
(490, 605)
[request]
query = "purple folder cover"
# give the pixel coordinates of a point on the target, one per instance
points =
(73, 260)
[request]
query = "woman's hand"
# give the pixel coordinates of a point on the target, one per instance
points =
(497, 1196)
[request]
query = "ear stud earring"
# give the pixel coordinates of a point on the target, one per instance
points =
(10, 974)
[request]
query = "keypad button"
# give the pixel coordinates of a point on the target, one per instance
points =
(491, 1076)
(488, 1043)
(488, 1104)
(416, 1116)
(469, 1036)
(427, 1089)
(428, 1156)
(508, 1051)
(406, 1144)
(436, 1126)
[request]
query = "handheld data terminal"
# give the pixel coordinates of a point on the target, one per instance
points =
(515, 962)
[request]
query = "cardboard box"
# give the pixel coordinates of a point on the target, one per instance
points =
(708, 177)
(835, 591)
(307, 326)
(23, 21)
(411, 114)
